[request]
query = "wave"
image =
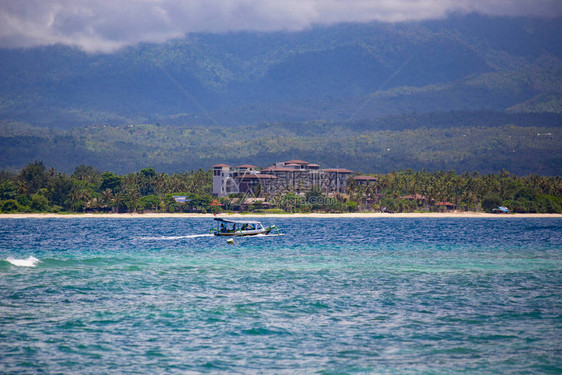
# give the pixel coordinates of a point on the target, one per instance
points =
(265, 235)
(169, 238)
(158, 238)
(29, 262)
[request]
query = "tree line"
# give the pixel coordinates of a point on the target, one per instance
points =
(36, 188)
(409, 191)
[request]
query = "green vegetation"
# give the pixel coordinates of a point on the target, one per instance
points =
(38, 189)
(409, 191)
(334, 73)
(486, 142)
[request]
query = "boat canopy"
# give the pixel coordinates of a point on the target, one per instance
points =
(236, 221)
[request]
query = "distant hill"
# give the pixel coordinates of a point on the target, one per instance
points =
(465, 142)
(344, 73)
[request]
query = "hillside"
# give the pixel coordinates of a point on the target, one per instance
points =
(339, 73)
(486, 142)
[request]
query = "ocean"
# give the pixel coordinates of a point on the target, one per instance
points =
(327, 296)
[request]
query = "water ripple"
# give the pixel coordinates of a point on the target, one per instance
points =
(330, 296)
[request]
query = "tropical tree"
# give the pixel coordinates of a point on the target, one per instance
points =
(8, 190)
(87, 173)
(33, 177)
(39, 202)
(10, 205)
(491, 201)
(149, 202)
(59, 188)
(110, 181)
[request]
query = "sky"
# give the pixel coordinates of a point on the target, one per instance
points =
(107, 25)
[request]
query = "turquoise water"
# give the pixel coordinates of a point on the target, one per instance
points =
(329, 296)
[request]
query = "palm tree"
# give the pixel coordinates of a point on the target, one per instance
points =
(21, 187)
(107, 197)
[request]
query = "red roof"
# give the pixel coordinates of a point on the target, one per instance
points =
(299, 162)
(277, 169)
(215, 203)
(338, 170)
(255, 176)
(447, 204)
(221, 166)
(246, 166)
(365, 178)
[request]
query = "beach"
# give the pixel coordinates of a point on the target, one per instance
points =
(288, 215)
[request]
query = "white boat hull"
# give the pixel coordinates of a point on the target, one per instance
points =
(243, 232)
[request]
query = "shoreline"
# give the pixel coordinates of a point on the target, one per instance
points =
(296, 215)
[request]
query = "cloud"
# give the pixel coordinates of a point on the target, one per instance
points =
(106, 25)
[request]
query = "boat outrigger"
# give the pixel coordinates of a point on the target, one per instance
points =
(240, 228)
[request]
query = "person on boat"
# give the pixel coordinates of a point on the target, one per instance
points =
(222, 228)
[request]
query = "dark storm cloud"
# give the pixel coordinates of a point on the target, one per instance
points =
(109, 25)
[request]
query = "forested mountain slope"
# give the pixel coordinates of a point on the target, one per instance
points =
(340, 73)
(486, 142)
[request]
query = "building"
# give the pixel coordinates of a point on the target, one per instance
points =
(364, 180)
(295, 176)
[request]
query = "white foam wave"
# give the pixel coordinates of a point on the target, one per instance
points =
(160, 238)
(169, 238)
(29, 262)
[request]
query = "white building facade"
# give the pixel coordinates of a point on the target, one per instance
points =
(295, 176)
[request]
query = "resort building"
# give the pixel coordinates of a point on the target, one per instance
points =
(295, 176)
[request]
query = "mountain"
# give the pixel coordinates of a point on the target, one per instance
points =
(341, 73)
(461, 141)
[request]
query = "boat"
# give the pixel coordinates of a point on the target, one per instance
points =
(240, 228)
